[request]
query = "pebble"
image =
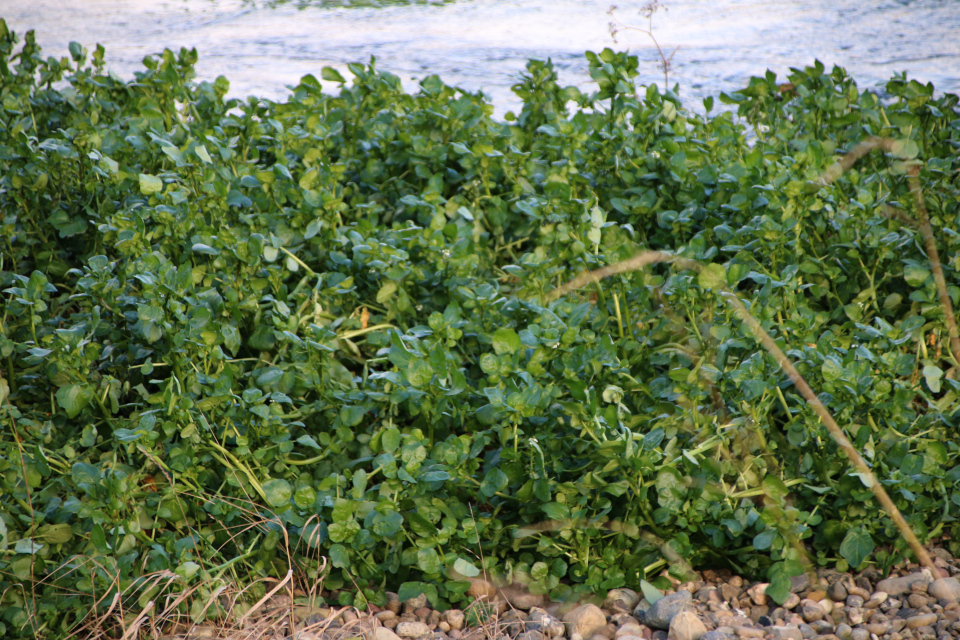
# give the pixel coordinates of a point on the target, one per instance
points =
(382, 633)
(686, 625)
(903, 584)
(412, 629)
(659, 615)
(586, 620)
(758, 593)
(749, 632)
(923, 620)
(455, 618)
(625, 599)
(945, 589)
(786, 633)
(837, 592)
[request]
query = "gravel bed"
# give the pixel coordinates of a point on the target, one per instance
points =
(910, 604)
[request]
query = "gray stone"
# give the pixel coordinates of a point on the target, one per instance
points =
(811, 611)
(917, 600)
(859, 634)
(843, 631)
(903, 584)
(945, 589)
(729, 592)
(585, 620)
(413, 629)
(799, 583)
(661, 612)
(524, 600)
(854, 601)
(715, 635)
(530, 635)
(822, 627)
(837, 592)
(686, 626)
(785, 633)
(621, 599)
(807, 631)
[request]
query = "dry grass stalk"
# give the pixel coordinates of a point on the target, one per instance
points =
(866, 474)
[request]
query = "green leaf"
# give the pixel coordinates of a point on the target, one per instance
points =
(428, 560)
(764, 540)
(915, 275)
(506, 340)
(857, 546)
(339, 556)
(670, 488)
(73, 398)
(905, 150)
(712, 276)
(331, 75)
(278, 492)
(386, 291)
(390, 440)
(495, 480)
(650, 592)
(150, 185)
(466, 568)
(779, 588)
(55, 533)
(932, 375)
(774, 487)
(831, 369)
(351, 415)
(342, 510)
(421, 526)
(419, 373)
(201, 152)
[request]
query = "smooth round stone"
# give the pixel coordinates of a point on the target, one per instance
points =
(924, 620)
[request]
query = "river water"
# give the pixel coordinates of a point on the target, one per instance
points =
(484, 44)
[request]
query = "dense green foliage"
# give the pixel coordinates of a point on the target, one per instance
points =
(238, 335)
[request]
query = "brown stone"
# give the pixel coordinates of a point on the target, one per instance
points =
(585, 620)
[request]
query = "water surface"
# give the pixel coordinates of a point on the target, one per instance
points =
(484, 44)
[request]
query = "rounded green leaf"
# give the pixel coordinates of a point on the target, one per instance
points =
(713, 276)
(466, 568)
(506, 340)
(857, 546)
(339, 556)
(73, 398)
(278, 492)
(149, 184)
(428, 560)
